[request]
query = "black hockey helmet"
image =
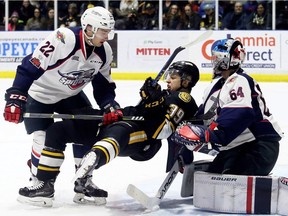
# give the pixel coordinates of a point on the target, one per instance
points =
(184, 69)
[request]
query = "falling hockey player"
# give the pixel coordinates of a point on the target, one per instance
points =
(140, 140)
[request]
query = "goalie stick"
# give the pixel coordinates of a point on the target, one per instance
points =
(71, 116)
(152, 203)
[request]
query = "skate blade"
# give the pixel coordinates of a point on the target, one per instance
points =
(36, 201)
(82, 199)
(87, 165)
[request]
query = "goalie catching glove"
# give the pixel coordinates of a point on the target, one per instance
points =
(15, 105)
(192, 135)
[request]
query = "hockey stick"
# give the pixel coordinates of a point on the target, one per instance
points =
(202, 37)
(152, 203)
(209, 114)
(71, 116)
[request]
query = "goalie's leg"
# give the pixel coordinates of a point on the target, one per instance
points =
(188, 176)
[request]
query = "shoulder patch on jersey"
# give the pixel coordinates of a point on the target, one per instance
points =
(60, 36)
(184, 96)
(36, 62)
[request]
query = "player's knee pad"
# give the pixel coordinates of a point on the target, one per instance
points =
(37, 146)
(240, 194)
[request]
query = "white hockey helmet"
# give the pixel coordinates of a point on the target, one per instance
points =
(98, 17)
(227, 54)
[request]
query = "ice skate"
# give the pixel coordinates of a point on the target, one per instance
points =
(39, 195)
(88, 193)
(87, 165)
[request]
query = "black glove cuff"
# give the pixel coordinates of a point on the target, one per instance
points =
(15, 94)
(111, 107)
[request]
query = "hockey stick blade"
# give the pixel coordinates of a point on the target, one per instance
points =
(152, 203)
(70, 116)
(148, 202)
(202, 37)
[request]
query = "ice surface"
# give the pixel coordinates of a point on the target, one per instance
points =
(115, 176)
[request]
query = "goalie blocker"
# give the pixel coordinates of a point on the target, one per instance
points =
(240, 194)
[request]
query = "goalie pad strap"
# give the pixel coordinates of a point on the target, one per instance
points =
(240, 194)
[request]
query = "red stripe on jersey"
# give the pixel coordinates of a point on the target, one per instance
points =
(82, 43)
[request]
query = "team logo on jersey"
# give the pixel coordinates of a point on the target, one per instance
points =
(76, 79)
(184, 96)
(36, 62)
(60, 36)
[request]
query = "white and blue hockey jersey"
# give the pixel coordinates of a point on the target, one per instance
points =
(60, 68)
(241, 113)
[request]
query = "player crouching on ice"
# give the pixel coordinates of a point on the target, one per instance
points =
(242, 129)
(140, 140)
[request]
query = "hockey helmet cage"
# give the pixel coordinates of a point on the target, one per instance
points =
(227, 54)
(98, 17)
(183, 69)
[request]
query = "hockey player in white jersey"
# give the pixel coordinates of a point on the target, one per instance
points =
(243, 129)
(52, 78)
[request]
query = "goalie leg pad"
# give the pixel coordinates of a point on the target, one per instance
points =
(282, 198)
(236, 193)
(188, 176)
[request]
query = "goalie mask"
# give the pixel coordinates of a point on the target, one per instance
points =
(227, 54)
(98, 18)
(184, 69)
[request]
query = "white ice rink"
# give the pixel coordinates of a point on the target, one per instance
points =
(114, 177)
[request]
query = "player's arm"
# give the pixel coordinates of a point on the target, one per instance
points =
(235, 117)
(32, 67)
(104, 90)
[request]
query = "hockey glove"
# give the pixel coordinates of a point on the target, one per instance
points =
(15, 105)
(150, 92)
(193, 136)
(112, 114)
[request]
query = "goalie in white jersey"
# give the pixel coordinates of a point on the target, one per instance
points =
(52, 78)
(243, 129)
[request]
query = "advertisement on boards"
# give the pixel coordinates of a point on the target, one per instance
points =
(147, 51)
